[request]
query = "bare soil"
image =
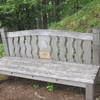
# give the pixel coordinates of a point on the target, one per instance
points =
(22, 89)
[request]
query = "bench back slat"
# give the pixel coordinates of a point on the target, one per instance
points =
(11, 46)
(28, 47)
(70, 49)
(96, 46)
(54, 44)
(23, 49)
(62, 49)
(54, 47)
(79, 51)
(17, 47)
(34, 44)
(45, 32)
(87, 53)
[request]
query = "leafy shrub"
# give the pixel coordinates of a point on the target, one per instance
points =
(83, 20)
(50, 86)
(29, 14)
(36, 85)
(2, 53)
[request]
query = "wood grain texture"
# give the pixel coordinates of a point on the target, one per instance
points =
(62, 49)
(96, 46)
(70, 50)
(87, 52)
(90, 92)
(54, 48)
(51, 69)
(22, 47)
(62, 46)
(34, 45)
(45, 32)
(17, 47)
(78, 51)
(46, 79)
(11, 47)
(28, 46)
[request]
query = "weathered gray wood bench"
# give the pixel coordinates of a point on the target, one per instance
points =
(57, 56)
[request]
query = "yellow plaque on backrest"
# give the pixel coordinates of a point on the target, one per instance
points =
(44, 54)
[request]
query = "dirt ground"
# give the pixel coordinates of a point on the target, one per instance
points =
(21, 89)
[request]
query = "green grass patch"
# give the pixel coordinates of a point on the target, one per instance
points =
(82, 21)
(50, 86)
(36, 85)
(2, 53)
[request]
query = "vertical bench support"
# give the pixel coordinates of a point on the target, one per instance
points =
(90, 88)
(4, 40)
(96, 46)
(96, 50)
(90, 92)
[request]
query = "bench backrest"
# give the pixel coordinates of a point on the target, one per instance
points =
(57, 45)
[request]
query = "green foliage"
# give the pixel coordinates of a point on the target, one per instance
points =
(25, 14)
(30, 14)
(50, 87)
(92, 23)
(83, 21)
(16, 13)
(73, 6)
(36, 85)
(2, 53)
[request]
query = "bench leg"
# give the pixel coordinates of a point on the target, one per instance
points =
(90, 92)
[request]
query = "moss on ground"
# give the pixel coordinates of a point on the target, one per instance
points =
(82, 21)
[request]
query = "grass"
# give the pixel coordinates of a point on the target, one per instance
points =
(50, 86)
(2, 53)
(36, 85)
(82, 21)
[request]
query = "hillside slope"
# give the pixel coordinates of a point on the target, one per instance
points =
(82, 21)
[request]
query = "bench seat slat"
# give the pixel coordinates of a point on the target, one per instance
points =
(51, 69)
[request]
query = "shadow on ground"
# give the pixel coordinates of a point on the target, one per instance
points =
(21, 89)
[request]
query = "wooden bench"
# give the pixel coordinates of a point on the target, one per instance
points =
(58, 56)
